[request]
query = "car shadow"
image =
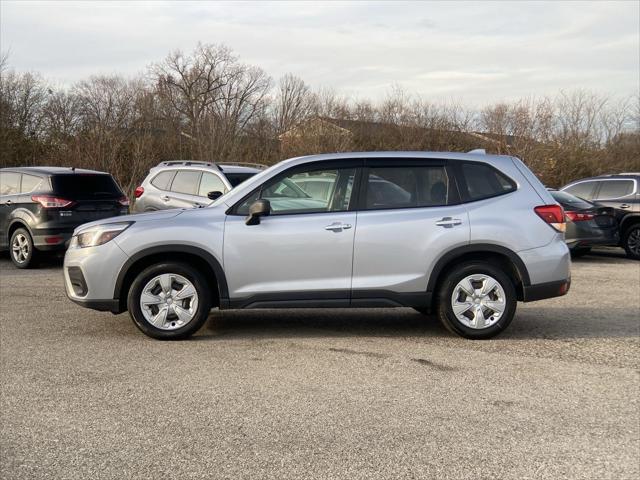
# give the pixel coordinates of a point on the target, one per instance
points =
(541, 323)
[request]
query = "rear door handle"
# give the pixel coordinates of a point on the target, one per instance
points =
(448, 222)
(338, 226)
(164, 198)
(7, 203)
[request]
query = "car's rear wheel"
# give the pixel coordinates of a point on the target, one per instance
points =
(631, 241)
(476, 300)
(169, 301)
(22, 251)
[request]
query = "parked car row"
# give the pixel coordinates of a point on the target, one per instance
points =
(619, 192)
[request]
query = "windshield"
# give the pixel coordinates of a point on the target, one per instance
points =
(571, 201)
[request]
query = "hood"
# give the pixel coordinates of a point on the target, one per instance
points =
(138, 217)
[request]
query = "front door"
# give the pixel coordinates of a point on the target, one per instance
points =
(301, 254)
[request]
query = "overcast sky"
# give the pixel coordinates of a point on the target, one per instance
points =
(475, 52)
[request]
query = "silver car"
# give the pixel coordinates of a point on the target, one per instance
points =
(189, 183)
(462, 235)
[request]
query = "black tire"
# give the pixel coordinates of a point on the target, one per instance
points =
(29, 260)
(580, 252)
(187, 271)
(630, 241)
(445, 292)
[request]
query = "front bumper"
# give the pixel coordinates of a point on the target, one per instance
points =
(98, 269)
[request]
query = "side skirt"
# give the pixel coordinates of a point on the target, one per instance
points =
(331, 299)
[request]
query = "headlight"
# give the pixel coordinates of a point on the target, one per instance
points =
(98, 235)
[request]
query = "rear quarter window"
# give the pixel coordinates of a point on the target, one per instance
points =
(163, 179)
(30, 183)
(483, 181)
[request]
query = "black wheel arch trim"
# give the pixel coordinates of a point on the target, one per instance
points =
(478, 248)
(221, 279)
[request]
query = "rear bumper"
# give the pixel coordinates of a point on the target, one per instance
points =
(546, 290)
(51, 239)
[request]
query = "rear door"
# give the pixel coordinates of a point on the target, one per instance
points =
(409, 213)
(9, 193)
(618, 193)
(184, 190)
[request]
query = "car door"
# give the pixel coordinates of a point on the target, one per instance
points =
(408, 216)
(184, 190)
(9, 193)
(301, 254)
(617, 193)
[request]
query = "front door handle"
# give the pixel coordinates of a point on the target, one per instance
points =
(7, 203)
(625, 205)
(338, 226)
(448, 222)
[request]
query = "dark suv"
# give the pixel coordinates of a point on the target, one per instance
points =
(621, 193)
(41, 206)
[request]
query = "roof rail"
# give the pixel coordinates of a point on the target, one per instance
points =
(478, 151)
(261, 166)
(186, 163)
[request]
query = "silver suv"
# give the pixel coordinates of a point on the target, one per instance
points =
(188, 183)
(463, 235)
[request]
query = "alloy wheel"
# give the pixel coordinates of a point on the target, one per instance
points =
(633, 241)
(20, 248)
(478, 301)
(169, 301)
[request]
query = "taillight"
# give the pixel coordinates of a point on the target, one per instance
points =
(47, 201)
(578, 217)
(138, 192)
(553, 215)
(124, 201)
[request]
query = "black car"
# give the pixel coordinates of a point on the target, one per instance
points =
(621, 193)
(587, 224)
(41, 206)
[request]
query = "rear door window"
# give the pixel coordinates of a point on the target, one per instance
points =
(582, 190)
(611, 189)
(210, 182)
(82, 185)
(483, 181)
(9, 183)
(163, 179)
(186, 181)
(407, 187)
(30, 183)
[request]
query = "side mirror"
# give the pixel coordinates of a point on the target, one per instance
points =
(214, 195)
(259, 208)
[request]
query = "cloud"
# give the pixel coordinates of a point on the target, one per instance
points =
(479, 51)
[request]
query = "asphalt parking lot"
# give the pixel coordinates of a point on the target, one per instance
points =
(323, 394)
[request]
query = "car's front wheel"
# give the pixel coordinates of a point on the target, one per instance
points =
(169, 301)
(476, 300)
(22, 250)
(631, 241)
